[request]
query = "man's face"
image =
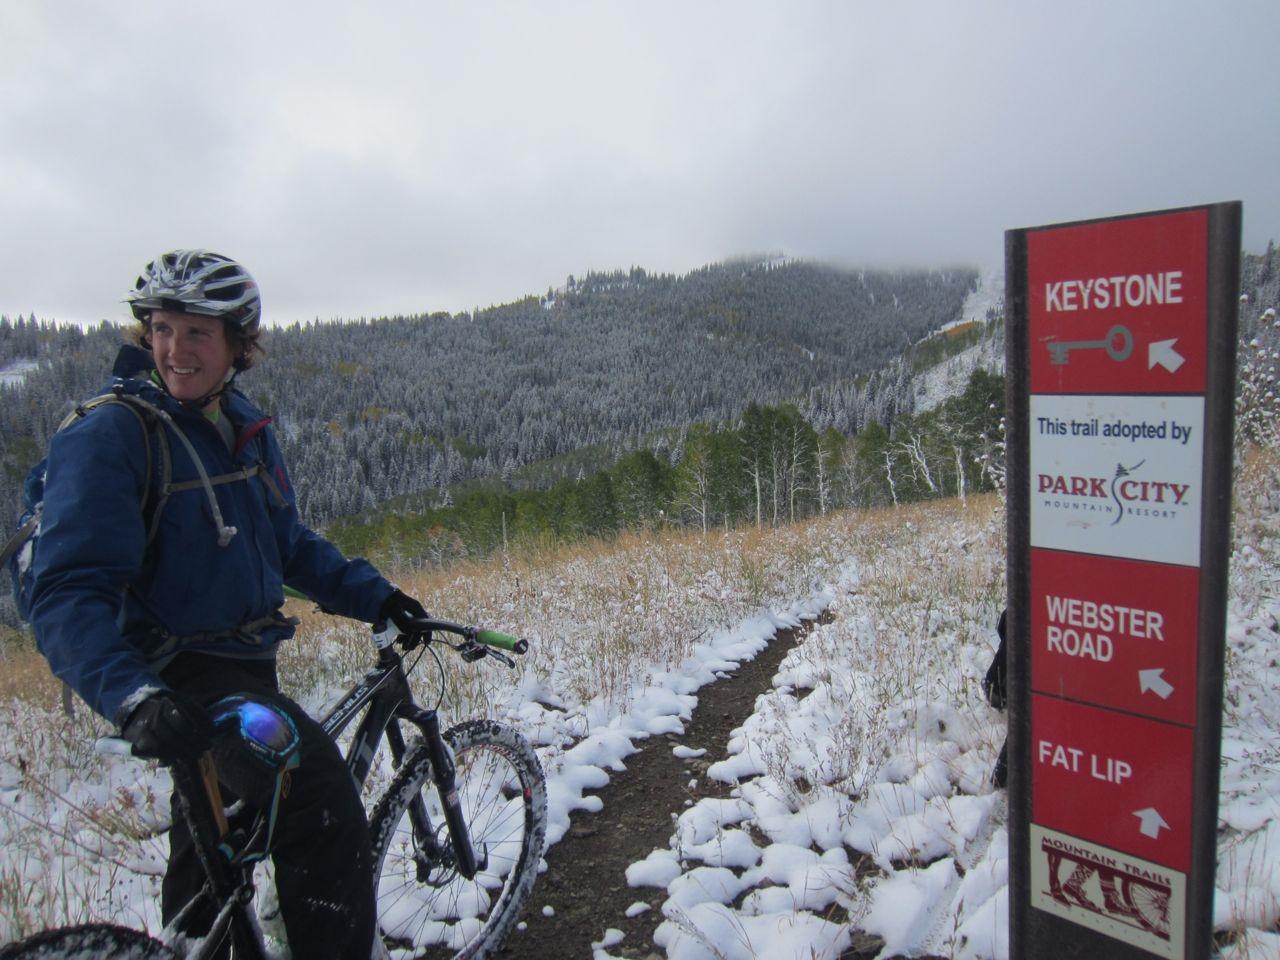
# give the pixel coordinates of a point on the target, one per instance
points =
(193, 354)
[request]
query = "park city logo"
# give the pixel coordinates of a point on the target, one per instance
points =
(1121, 472)
(1131, 493)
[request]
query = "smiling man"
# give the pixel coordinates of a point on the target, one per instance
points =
(193, 355)
(168, 533)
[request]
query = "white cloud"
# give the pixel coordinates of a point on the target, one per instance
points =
(406, 156)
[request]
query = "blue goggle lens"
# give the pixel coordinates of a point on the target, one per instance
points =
(265, 729)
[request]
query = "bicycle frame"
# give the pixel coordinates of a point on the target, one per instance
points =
(386, 694)
(385, 691)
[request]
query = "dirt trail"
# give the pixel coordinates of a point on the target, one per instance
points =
(585, 882)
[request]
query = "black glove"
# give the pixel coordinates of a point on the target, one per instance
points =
(168, 727)
(401, 609)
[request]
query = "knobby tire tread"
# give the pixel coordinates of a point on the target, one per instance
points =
(97, 940)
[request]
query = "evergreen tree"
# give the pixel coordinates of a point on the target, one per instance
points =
(643, 486)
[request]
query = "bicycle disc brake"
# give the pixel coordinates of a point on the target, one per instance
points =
(438, 866)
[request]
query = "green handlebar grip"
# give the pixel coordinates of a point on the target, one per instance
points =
(492, 638)
(292, 594)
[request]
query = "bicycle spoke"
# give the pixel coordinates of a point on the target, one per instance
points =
(427, 909)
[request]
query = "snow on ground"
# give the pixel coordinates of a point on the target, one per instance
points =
(16, 372)
(662, 706)
(949, 378)
(861, 792)
(621, 642)
(860, 798)
(987, 296)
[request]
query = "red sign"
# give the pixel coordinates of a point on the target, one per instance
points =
(1120, 369)
(1118, 307)
(1118, 780)
(1117, 633)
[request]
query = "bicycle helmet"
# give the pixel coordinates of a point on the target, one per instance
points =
(200, 282)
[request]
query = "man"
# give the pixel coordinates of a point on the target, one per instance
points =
(169, 532)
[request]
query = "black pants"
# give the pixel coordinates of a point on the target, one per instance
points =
(323, 864)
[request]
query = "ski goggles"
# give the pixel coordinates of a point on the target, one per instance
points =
(267, 731)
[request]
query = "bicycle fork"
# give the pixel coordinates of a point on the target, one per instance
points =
(443, 773)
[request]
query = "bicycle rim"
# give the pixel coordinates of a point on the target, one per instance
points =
(1150, 906)
(98, 940)
(425, 908)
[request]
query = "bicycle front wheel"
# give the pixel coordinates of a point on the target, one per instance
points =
(425, 907)
(101, 941)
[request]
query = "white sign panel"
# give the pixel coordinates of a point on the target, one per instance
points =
(1117, 894)
(1117, 476)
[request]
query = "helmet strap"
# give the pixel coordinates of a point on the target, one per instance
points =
(213, 394)
(200, 403)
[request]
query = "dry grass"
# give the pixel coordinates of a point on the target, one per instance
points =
(601, 618)
(25, 675)
(624, 596)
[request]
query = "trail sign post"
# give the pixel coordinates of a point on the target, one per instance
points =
(1120, 371)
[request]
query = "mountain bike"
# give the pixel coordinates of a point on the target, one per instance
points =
(457, 835)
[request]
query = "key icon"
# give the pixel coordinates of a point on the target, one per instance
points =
(1118, 343)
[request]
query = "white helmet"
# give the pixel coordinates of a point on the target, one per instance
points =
(201, 282)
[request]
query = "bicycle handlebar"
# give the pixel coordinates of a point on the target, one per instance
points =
(492, 638)
(489, 638)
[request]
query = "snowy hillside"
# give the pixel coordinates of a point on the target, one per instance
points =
(948, 378)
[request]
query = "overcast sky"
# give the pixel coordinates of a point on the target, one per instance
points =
(369, 159)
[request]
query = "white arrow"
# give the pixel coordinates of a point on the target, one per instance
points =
(1162, 352)
(1152, 822)
(1154, 681)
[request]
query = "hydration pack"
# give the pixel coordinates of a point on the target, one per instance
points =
(19, 551)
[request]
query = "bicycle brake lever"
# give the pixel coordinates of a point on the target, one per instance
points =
(411, 641)
(471, 651)
(500, 656)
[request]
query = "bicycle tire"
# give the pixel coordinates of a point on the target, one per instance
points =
(504, 798)
(98, 940)
(1150, 905)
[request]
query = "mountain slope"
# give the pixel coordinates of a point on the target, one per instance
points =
(369, 410)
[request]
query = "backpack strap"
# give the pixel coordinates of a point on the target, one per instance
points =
(272, 487)
(249, 633)
(235, 476)
(142, 412)
(256, 433)
(163, 484)
(147, 421)
(225, 532)
(149, 413)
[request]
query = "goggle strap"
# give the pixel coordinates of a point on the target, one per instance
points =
(275, 808)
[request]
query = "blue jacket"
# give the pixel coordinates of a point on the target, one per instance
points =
(107, 608)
